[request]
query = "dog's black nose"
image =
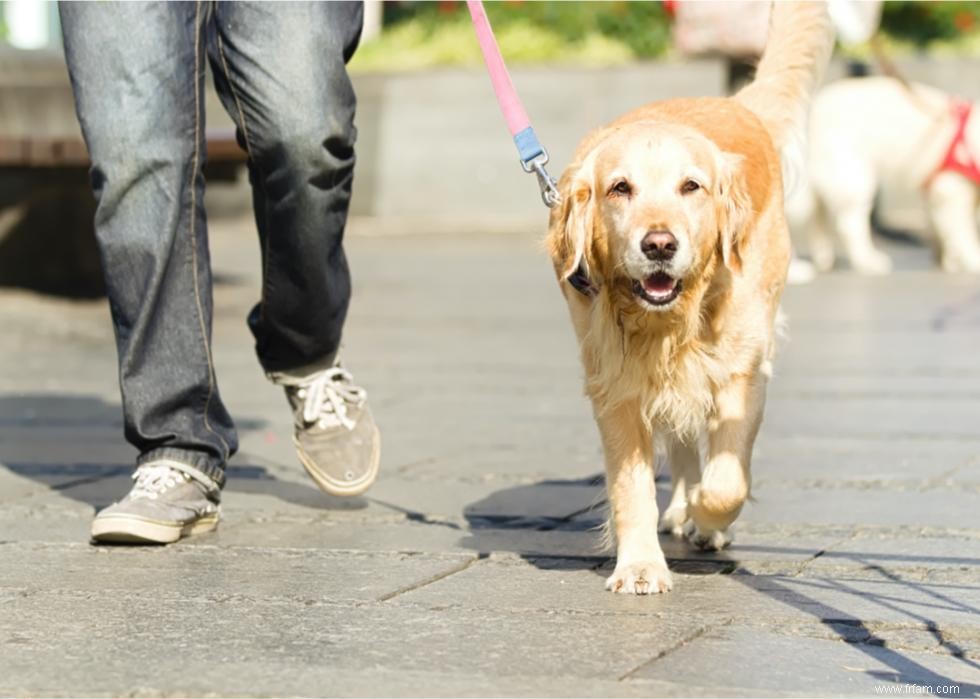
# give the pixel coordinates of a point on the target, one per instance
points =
(659, 245)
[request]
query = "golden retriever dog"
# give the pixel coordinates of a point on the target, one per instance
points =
(671, 249)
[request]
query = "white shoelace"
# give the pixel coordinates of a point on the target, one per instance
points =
(153, 480)
(326, 397)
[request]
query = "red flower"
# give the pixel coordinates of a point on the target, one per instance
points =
(964, 21)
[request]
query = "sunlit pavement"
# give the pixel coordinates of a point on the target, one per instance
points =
(473, 566)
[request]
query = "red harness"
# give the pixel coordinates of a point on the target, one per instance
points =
(958, 157)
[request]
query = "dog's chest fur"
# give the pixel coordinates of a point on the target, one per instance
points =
(671, 372)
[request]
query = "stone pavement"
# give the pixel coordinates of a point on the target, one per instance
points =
(473, 567)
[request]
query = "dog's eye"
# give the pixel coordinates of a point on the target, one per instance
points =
(690, 186)
(621, 187)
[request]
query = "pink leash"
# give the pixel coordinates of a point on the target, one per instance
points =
(533, 155)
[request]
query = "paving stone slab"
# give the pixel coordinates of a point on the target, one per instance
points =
(284, 679)
(118, 633)
(281, 679)
(846, 301)
(17, 487)
(813, 606)
(42, 522)
(486, 501)
(896, 386)
(933, 618)
(241, 529)
(879, 418)
(778, 504)
(777, 545)
(473, 445)
(822, 461)
(46, 446)
(869, 549)
(524, 458)
(54, 518)
(779, 550)
(252, 575)
(891, 597)
(767, 661)
(466, 444)
(49, 411)
(864, 351)
(566, 586)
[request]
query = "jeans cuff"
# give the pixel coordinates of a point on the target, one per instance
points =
(202, 468)
(291, 376)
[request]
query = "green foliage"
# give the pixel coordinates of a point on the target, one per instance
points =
(419, 35)
(430, 34)
(923, 23)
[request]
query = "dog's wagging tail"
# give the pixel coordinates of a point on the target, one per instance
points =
(799, 47)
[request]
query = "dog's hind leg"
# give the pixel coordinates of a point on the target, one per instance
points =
(685, 471)
(726, 480)
(640, 564)
(820, 238)
(846, 185)
(952, 211)
(853, 223)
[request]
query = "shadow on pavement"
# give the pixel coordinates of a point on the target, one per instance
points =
(100, 455)
(490, 533)
(857, 632)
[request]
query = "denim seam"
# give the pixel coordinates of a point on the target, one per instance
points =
(248, 150)
(234, 94)
(193, 222)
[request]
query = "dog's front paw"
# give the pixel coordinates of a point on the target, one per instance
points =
(641, 578)
(708, 539)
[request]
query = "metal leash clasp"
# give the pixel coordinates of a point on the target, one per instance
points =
(547, 183)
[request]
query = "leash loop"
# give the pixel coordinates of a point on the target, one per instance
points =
(546, 183)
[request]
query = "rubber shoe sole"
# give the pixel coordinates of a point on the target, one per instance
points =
(343, 489)
(119, 529)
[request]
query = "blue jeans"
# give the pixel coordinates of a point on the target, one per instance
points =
(137, 71)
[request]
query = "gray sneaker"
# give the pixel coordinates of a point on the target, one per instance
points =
(336, 438)
(165, 504)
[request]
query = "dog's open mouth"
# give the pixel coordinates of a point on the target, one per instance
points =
(658, 289)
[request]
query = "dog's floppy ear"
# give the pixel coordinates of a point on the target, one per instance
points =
(571, 226)
(734, 209)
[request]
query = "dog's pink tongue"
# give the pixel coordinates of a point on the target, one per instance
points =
(658, 284)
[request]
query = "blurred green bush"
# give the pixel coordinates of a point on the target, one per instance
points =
(420, 35)
(923, 23)
(428, 34)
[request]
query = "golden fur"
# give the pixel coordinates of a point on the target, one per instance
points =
(689, 370)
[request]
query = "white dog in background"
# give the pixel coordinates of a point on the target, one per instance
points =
(869, 133)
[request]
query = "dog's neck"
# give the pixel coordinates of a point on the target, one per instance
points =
(663, 360)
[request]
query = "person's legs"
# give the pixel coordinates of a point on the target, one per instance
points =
(137, 74)
(281, 72)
